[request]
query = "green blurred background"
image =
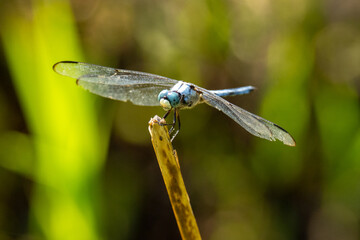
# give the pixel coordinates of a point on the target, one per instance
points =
(76, 166)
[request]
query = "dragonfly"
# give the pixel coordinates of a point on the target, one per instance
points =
(148, 89)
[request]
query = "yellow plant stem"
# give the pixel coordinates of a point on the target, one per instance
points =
(170, 169)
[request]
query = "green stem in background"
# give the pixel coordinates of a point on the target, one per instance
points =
(62, 121)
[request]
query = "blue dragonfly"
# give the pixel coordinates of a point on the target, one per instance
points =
(147, 89)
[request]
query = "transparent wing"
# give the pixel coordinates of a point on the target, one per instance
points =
(124, 85)
(252, 123)
(138, 94)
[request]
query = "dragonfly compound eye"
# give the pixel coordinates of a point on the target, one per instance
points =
(162, 94)
(173, 98)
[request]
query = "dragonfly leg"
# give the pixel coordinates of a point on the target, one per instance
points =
(166, 124)
(174, 122)
(177, 117)
(178, 120)
(169, 124)
(166, 114)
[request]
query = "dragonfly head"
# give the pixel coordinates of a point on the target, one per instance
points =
(169, 99)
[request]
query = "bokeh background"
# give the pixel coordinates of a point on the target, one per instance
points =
(77, 166)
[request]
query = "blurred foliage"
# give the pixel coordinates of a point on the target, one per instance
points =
(69, 169)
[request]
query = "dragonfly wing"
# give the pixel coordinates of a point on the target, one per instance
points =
(124, 85)
(138, 94)
(78, 69)
(108, 75)
(254, 124)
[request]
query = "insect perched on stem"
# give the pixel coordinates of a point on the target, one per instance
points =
(149, 90)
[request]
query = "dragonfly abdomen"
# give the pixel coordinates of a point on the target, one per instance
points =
(233, 91)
